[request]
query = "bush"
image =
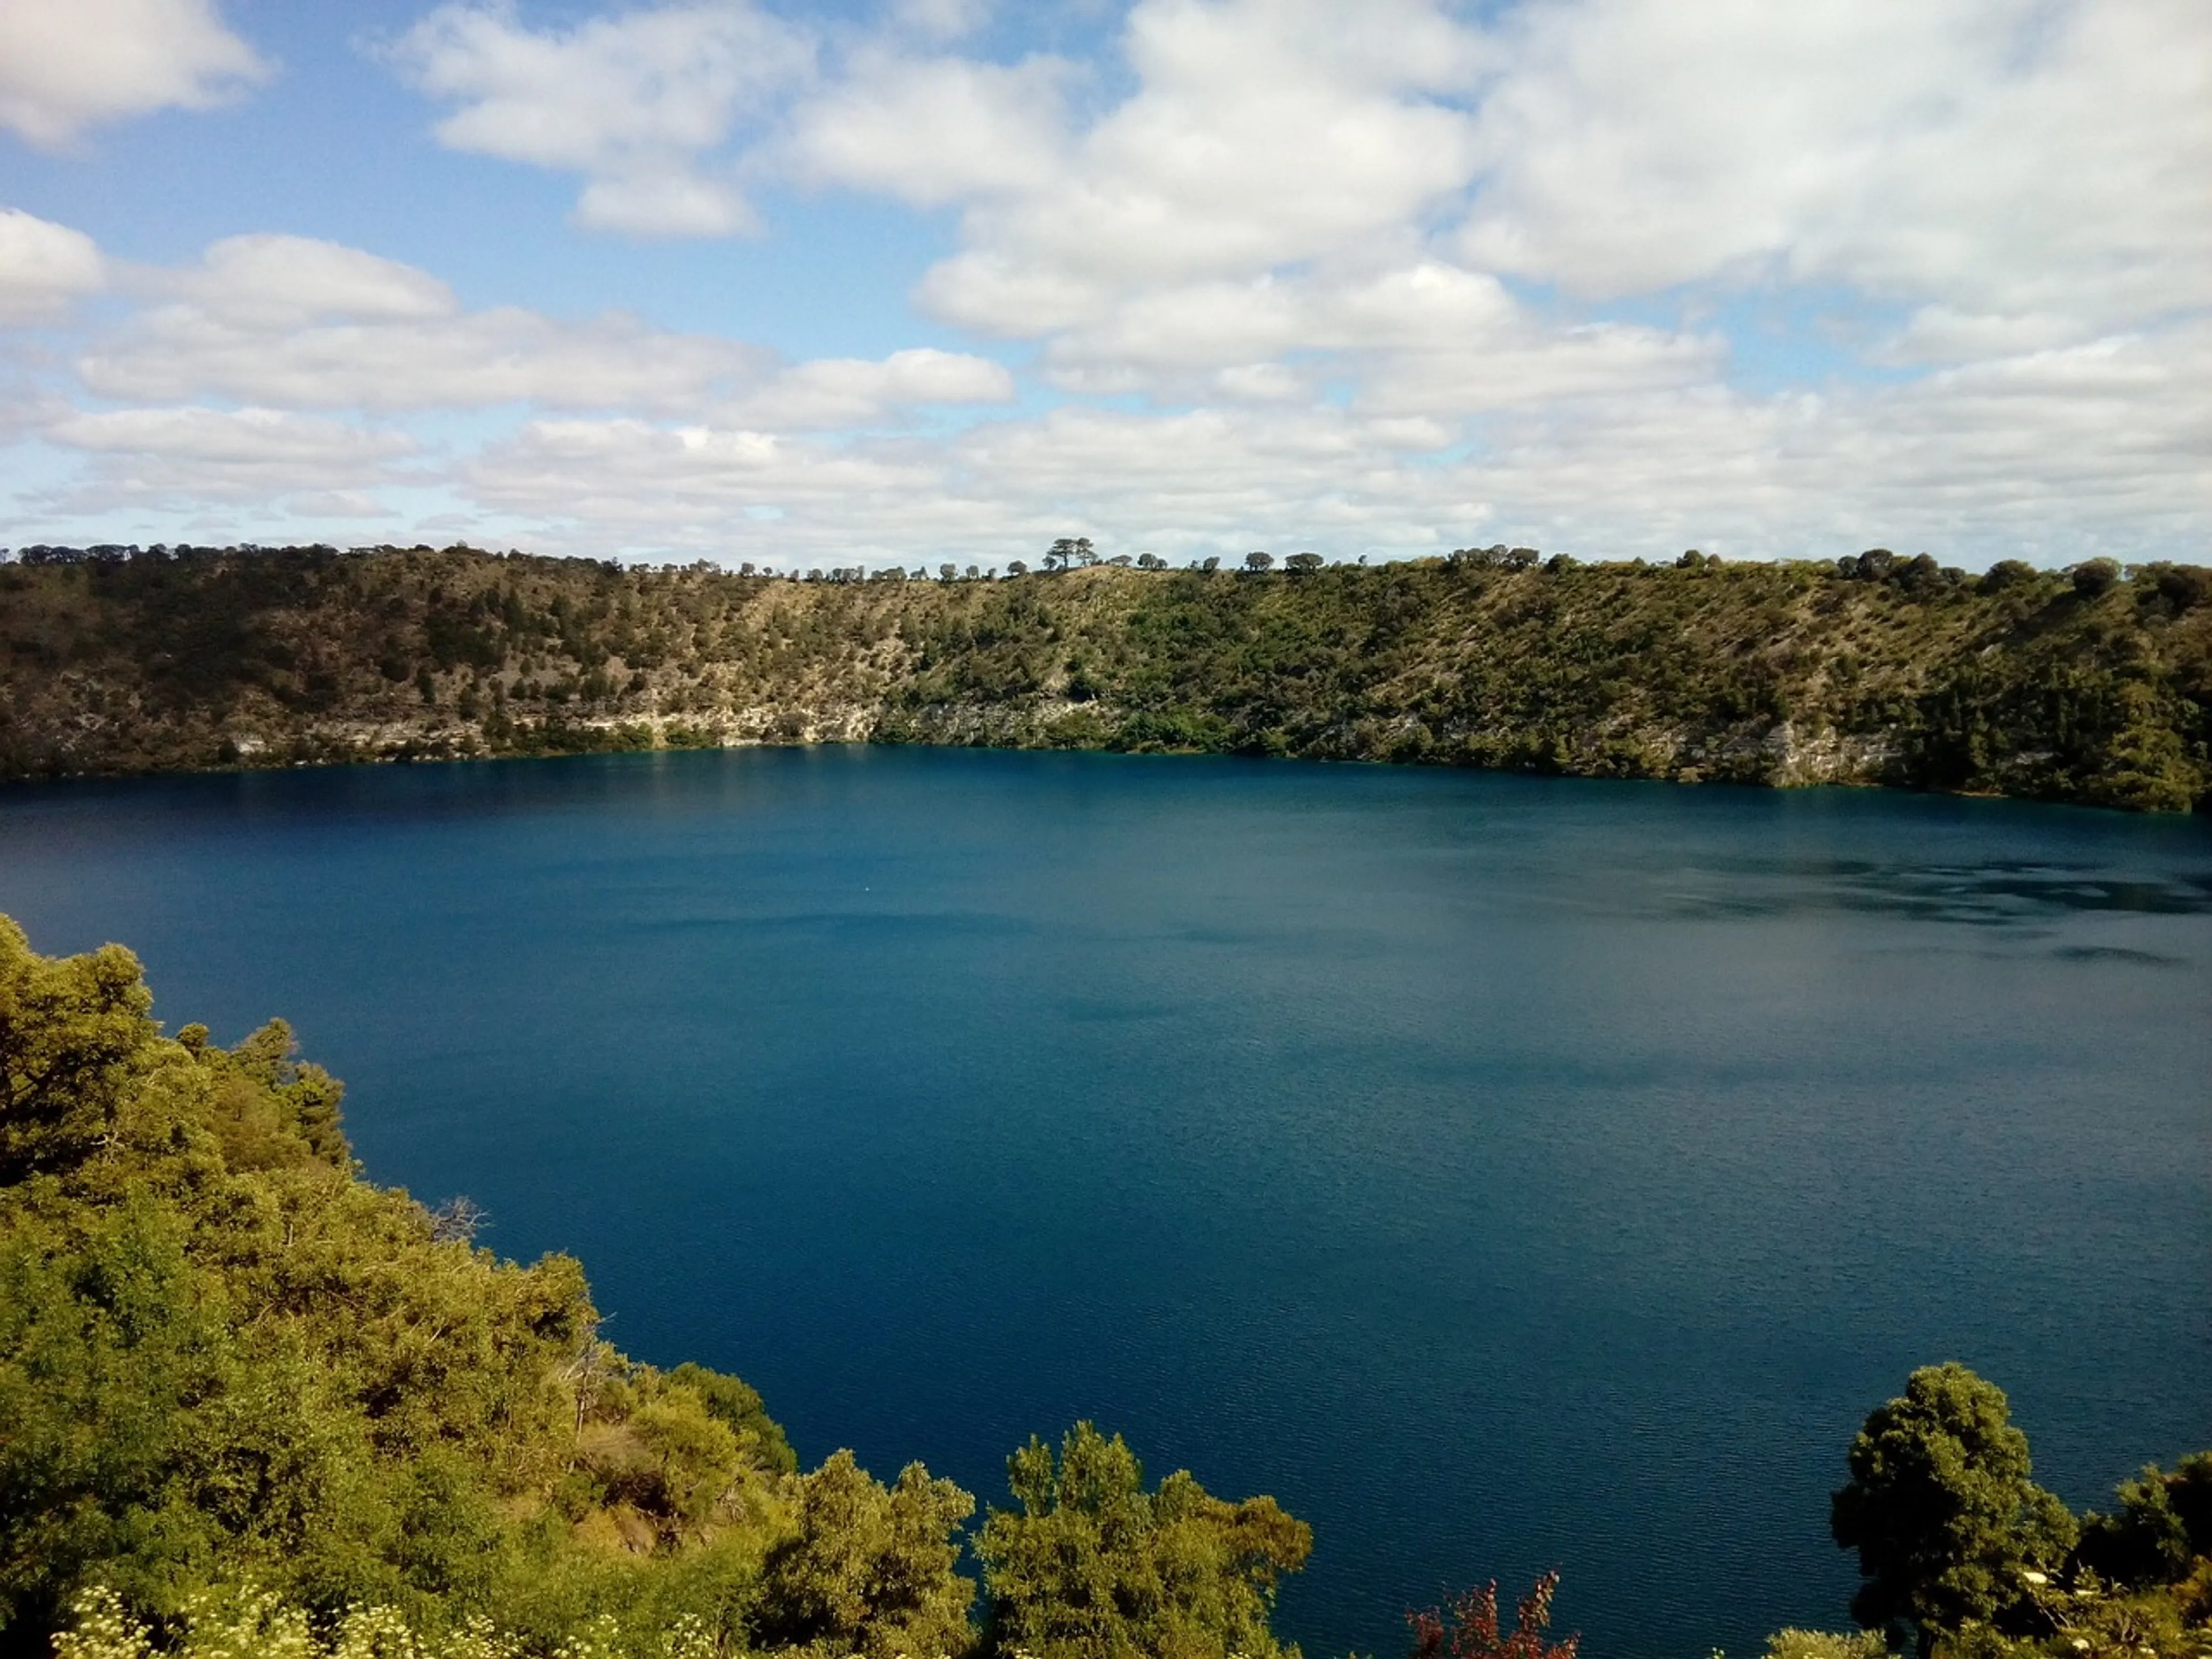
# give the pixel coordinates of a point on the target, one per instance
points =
(2092, 577)
(1824, 1644)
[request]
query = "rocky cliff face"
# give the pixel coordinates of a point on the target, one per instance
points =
(2034, 684)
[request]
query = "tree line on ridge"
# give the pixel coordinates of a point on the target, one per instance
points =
(2091, 685)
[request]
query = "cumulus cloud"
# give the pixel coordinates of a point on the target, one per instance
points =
(935, 131)
(632, 100)
(1262, 132)
(1430, 337)
(66, 65)
(179, 456)
(2053, 455)
(268, 282)
(1379, 280)
(44, 268)
(292, 322)
(691, 487)
(832, 392)
(1999, 157)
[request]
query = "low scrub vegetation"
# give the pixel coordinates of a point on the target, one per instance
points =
(2092, 685)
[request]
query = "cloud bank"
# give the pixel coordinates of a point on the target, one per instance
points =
(1610, 276)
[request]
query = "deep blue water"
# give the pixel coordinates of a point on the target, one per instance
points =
(1504, 1173)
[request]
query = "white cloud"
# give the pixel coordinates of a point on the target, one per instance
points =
(69, 65)
(292, 322)
(691, 487)
(1999, 156)
(2053, 455)
(177, 456)
(934, 130)
(268, 282)
(1375, 280)
(44, 269)
(1430, 337)
(1263, 132)
(833, 392)
(631, 100)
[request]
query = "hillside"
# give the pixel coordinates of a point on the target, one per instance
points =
(2092, 686)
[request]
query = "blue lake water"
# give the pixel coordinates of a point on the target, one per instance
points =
(1505, 1173)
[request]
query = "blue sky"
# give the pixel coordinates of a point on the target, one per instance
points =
(893, 280)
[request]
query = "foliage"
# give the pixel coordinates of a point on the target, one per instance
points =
(1094, 1566)
(1825, 1644)
(225, 1358)
(1940, 1509)
(249, 1623)
(2164, 1523)
(256, 1406)
(2092, 686)
(1468, 1629)
(869, 1571)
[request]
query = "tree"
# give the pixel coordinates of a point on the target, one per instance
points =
(1093, 1566)
(1210, 563)
(1302, 564)
(1257, 561)
(947, 571)
(76, 1036)
(2163, 1522)
(1151, 561)
(1016, 568)
(1940, 1509)
(2094, 576)
(869, 1571)
(1469, 1629)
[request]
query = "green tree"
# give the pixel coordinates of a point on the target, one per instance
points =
(75, 1035)
(1093, 1566)
(2092, 577)
(2163, 1522)
(1940, 1509)
(225, 1359)
(869, 1571)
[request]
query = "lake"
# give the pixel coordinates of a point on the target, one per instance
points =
(1505, 1173)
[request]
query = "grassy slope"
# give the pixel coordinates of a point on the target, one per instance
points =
(1758, 672)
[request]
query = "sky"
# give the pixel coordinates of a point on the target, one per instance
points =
(878, 281)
